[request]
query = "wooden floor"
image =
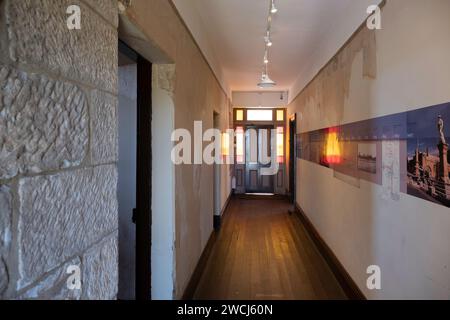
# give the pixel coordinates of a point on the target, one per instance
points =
(264, 253)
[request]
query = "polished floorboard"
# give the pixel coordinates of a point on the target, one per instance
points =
(263, 253)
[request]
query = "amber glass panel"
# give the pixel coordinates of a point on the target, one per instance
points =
(240, 145)
(239, 115)
(225, 144)
(280, 144)
(280, 115)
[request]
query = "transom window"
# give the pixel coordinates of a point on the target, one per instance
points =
(259, 115)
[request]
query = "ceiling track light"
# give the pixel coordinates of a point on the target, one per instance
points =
(266, 82)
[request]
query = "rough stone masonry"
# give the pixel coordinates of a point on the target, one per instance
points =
(58, 149)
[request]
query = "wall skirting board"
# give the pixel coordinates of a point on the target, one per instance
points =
(218, 219)
(345, 280)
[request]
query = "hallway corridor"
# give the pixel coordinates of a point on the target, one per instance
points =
(154, 150)
(263, 253)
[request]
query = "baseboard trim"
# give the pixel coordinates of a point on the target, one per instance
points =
(218, 220)
(247, 196)
(198, 271)
(345, 280)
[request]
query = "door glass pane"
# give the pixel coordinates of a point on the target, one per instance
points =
(264, 146)
(252, 146)
(240, 145)
(259, 115)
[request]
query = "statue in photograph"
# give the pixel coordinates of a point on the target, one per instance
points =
(441, 130)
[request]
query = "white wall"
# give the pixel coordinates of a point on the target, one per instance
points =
(163, 196)
(266, 99)
(343, 27)
(408, 237)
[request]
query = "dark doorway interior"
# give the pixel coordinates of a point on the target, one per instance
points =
(144, 181)
(292, 157)
(135, 168)
(127, 113)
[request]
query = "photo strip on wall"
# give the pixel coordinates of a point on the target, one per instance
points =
(405, 152)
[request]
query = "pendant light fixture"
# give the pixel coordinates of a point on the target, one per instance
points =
(266, 82)
(273, 8)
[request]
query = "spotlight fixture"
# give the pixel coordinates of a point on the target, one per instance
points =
(266, 58)
(273, 8)
(268, 40)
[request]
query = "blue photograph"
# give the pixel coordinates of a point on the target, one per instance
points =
(428, 154)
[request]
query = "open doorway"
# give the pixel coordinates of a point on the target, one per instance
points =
(135, 168)
(258, 146)
(127, 173)
(258, 133)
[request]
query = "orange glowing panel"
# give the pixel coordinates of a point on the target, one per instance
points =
(280, 144)
(332, 149)
(240, 145)
(280, 115)
(239, 115)
(225, 144)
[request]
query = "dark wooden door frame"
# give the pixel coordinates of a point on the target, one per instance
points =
(144, 181)
(142, 215)
(292, 157)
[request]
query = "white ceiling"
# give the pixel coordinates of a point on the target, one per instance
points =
(306, 34)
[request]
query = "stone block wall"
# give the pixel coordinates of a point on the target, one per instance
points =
(58, 149)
